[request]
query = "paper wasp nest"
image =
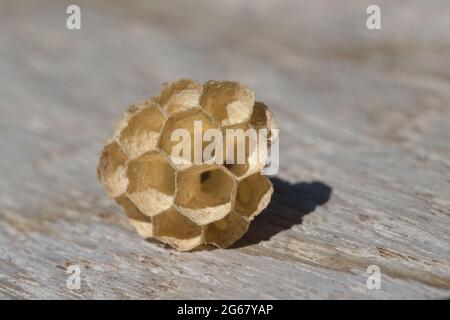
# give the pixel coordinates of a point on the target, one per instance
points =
(188, 204)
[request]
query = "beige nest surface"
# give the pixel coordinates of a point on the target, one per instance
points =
(189, 204)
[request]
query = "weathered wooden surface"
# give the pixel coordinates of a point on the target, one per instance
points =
(365, 146)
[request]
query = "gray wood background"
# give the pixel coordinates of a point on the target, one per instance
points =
(365, 146)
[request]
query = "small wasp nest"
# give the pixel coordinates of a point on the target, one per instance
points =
(187, 204)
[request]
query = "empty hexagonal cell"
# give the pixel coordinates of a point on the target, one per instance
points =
(186, 123)
(228, 102)
(175, 229)
(253, 195)
(151, 183)
(263, 118)
(126, 116)
(112, 170)
(142, 223)
(180, 96)
(204, 193)
(240, 150)
(226, 231)
(141, 132)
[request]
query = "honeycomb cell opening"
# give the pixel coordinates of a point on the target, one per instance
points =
(226, 231)
(180, 96)
(151, 183)
(142, 223)
(186, 127)
(112, 170)
(263, 118)
(240, 149)
(204, 193)
(253, 195)
(228, 102)
(141, 133)
(177, 230)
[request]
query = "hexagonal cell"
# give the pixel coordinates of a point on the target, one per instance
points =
(253, 195)
(178, 231)
(180, 96)
(226, 231)
(262, 117)
(141, 132)
(126, 116)
(151, 183)
(240, 150)
(142, 223)
(111, 170)
(188, 120)
(204, 193)
(228, 102)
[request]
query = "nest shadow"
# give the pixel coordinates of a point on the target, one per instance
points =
(289, 204)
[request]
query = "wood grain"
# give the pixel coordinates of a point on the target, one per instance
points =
(365, 146)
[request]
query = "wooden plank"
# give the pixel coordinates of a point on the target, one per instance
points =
(365, 153)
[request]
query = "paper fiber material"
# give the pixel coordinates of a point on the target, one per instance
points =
(189, 204)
